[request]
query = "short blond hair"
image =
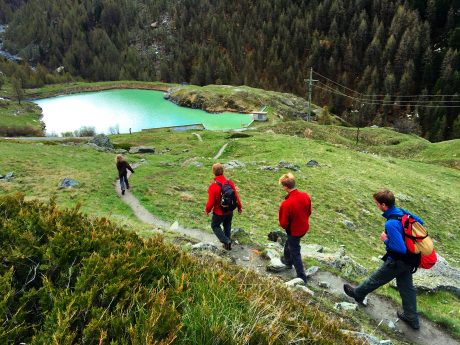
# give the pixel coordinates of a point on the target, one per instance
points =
(287, 180)
(119, 158)
(217, 169)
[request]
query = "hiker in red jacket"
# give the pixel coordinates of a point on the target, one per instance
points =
(221, 212)
(294, 214)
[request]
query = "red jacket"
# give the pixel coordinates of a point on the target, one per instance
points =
(214, 196)
(295, 212)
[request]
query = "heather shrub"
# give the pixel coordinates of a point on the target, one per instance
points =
(67, 279)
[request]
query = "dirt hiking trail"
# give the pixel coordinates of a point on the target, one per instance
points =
(380, 309)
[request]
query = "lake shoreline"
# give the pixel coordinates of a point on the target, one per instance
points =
(122, 110)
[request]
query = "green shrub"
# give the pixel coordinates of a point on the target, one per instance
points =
(75, 279)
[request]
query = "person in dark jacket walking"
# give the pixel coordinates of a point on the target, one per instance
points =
(220, 215)
(123, 167)
(294, 214)
(398, 263)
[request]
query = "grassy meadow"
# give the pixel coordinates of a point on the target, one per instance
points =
(20, 119)
(173, 182)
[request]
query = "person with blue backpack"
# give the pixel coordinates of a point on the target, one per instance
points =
(399, 262)
(222, 200)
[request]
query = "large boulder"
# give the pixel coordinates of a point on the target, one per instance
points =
(142, 149)
(102, 140)
(441, 277)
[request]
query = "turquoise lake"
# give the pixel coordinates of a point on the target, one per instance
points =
(135, 109)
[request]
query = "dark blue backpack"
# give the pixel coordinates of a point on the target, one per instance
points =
(227, 196)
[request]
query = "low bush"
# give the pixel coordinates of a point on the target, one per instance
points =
(20, 131)
(75, 279)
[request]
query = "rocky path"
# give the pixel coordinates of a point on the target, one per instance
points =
(380, 309)
(222, 149)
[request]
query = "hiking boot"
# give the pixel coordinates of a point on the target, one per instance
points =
(350, 291)
(123, 192)
(285, 263)
(412, 323)
(227, 246)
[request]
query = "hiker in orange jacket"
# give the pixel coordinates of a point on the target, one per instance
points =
(294, 214)
(220, 214)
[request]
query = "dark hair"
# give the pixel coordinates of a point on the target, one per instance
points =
(386, 197)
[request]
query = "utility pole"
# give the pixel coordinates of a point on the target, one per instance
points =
(310, 89)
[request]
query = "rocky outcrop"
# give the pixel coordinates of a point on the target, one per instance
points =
(102, 140)
(441, 277)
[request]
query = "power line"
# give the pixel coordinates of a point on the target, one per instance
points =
(382, 95)
(402, 102)
(383, 103)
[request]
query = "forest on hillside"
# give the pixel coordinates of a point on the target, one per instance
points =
(375, 61)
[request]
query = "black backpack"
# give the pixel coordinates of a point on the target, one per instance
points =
(227, 196)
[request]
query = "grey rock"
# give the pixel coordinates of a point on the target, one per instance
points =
(390, 324)
(7, 177)
(403, 197)
(311, 271)
(68, 183)
(346, 306)
(349, 224)
(304, 289)
(276, 265)
(294, 282)
(202, 246)
(287, 101)
(312, 163)
(197, 164)
(309, 249)
(234, 165)
(102, 140)
(324, 285)
(290, 166)
(236, 232)
(269, 167)
(370, 339)
(142, 149)
(276, 246)
(338, 260)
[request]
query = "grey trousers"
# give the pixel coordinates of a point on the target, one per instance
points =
(388, 271)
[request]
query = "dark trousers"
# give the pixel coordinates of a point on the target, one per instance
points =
(292, 255)
(388, 271)
(124, 182)
(226, 220)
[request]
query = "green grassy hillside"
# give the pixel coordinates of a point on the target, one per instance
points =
(20, 119)
(173, 183)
